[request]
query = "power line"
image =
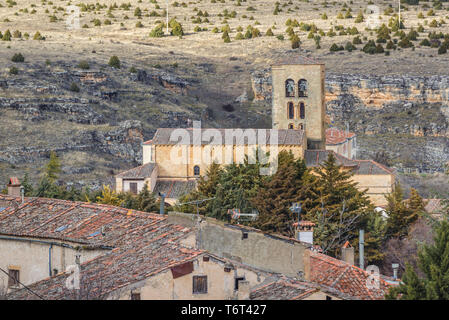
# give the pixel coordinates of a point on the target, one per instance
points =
(22, 284)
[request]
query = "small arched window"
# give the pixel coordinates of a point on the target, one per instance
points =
(302, 88)
(301, 126)
(290, 126)
(302, 110)
(290, 110)
(196, 170)
(289, 88)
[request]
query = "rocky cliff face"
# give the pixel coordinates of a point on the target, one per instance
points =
(405, 117)
(93, 131)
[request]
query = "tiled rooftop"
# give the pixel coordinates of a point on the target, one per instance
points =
(336, 136)
(140, 172)
(314, 158)
(168, 136)
(140, 243)
(343, 277)
(174, 188)
(283, 288)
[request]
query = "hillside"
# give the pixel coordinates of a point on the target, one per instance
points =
(169, 81)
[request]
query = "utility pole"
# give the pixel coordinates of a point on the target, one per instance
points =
(167, 17)
(361, 249)
(399, 13)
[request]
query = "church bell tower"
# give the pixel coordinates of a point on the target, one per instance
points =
(298, 98)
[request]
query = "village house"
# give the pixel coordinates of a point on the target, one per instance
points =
(342, 142)
(127, 254)
(298, 116)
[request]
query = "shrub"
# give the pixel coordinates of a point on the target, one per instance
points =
(334, 47)
(239, 36)
(349, 46)
(158, 31)
(17, 34)
(357, 40)
(225, 37)
(18, 57)
(295, 41)
(114, 62)
(176, 28)
(83, 64)
(38, 36)
(7, 36)
(442, 50)
(405, 43)
(425, 42)
(13, 70)
(74, 87)
(269, 32)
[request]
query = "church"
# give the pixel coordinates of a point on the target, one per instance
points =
(175, 158)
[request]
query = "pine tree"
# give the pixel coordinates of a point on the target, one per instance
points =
(276, 195)
(28, 187)
(53, 167)
(401, 215)
(109, 196)
(146, 200)
(335, 204)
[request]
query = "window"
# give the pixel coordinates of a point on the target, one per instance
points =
(236, 284)
(135, 296)
(14, 277)
(302, 88)
(302, 110)
(196, 170)
(291, 110)
(290, 126)
(301, 126)
(289, 88)
(199, 284)
(133, 187)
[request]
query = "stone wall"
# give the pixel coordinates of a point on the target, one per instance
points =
(257, 249)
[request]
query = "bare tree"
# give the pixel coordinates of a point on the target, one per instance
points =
(403, 251)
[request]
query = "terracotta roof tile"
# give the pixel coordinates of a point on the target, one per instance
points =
(343, 277)
(336, 136)
(140, 172)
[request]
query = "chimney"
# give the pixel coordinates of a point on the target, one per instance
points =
(14, 187)
(395, 267)
(347, 253)
(304, 231)
(244, 290)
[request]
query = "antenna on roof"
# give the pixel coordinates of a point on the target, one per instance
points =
(237, 215)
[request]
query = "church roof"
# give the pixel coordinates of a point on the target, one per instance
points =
(140, 172)
(171, 136)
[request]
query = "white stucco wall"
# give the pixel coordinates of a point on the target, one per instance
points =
(32, 259)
